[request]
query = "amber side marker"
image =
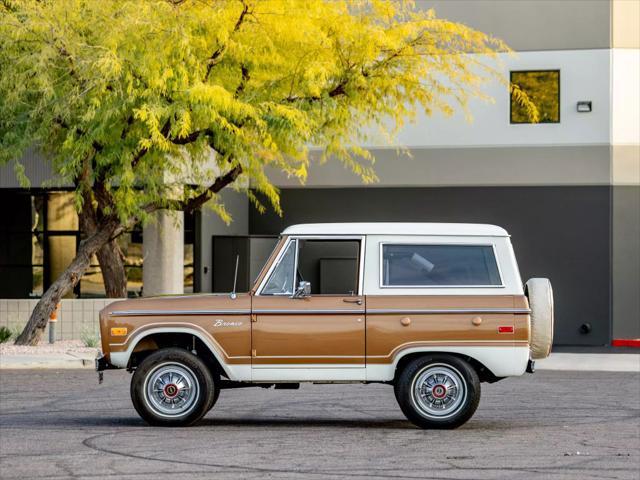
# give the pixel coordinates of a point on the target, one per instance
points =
(118, 331)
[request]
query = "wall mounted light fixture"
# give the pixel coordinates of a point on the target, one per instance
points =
(584, 106)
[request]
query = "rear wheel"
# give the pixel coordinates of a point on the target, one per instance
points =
(172, 387)
(439, 391)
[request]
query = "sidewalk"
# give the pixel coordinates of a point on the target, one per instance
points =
(592, 362)
(60, 355)
(72, 354)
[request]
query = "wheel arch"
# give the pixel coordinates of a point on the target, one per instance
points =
(484, 373)
(143, 344)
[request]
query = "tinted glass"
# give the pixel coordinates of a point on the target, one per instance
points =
(330, 265)
(281, 280)
(439, 265)
(543, 89)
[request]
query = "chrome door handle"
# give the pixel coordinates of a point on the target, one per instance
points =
(352, 300)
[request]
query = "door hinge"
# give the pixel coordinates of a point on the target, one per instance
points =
(254, 317)
(253, 353)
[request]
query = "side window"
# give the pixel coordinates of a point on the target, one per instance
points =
(281, 281)
(331, 266)
(439, 266)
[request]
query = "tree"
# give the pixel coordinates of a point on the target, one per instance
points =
(130, 100)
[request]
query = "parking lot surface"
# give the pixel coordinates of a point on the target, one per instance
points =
(574, 425)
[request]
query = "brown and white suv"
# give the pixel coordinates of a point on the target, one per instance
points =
(432, 309)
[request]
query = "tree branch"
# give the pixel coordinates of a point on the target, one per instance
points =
(216, 56)
(220, 182)
(198, 201)
(336, 91)
(166, 128)
(243, 81)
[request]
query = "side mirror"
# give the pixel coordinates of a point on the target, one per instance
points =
(303, 290)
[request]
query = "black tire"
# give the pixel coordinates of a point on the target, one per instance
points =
(203, 388)
(452, 370)
(216, 393)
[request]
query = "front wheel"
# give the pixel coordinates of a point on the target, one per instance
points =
(172, 387)
(438, 391)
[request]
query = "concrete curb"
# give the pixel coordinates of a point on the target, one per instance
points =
(591, 362)
(60, 361)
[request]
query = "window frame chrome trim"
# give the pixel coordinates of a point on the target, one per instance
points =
(297, 311)
(295, 238)
(142, 313)
(440, 311)
(274, 265)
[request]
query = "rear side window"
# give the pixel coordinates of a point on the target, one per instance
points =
(439, 266)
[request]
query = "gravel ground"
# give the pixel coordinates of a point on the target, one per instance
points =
(551, 425)
(45, 348)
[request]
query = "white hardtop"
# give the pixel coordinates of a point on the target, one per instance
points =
(397, 228)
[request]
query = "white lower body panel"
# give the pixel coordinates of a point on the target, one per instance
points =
(501, 361)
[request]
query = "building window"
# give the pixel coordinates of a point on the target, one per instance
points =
(40, 235)
(439, 266)
(543, 89)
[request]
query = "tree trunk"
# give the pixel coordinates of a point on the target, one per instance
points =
(70, 277)
(110, 256)
(111, 262)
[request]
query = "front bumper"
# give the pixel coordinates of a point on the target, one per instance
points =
(101, 365)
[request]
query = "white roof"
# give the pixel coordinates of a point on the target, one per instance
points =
(392, 228)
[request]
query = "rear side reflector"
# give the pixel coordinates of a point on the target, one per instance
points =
(505, 329)
(626, 342)
(118, 331)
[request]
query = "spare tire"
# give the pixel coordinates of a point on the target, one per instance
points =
(540, 295)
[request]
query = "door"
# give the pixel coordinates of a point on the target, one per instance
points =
(315, 336)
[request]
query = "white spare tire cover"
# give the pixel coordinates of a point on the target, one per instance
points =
(540, 296)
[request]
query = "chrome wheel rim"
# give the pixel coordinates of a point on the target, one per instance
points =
(171, 390)
(438, 391)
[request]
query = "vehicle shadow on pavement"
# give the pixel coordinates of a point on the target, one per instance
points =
(306, 422)
(134, 421)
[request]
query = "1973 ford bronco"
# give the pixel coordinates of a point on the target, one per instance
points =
(432, 309)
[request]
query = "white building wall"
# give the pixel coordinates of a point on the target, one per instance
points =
(584, 75)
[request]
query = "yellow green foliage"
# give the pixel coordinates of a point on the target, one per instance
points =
(538, 90)
(126, 95)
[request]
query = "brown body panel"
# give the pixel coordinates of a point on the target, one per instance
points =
(321, 330)
(395, 323)
(224, 322)
(314, 330)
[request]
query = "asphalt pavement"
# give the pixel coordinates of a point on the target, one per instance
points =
(551, 425)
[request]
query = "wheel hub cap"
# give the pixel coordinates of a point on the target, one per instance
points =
(171, 390)
(439, 391)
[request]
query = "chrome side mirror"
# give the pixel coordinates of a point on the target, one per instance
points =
(303, 290)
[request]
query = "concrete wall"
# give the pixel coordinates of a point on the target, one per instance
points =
(530, 165)
(163, 263)
(626, 261)
(534, 24)
(625, 24)
(37, 169)
(76, 318)
(584, 75)
(209, 223)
